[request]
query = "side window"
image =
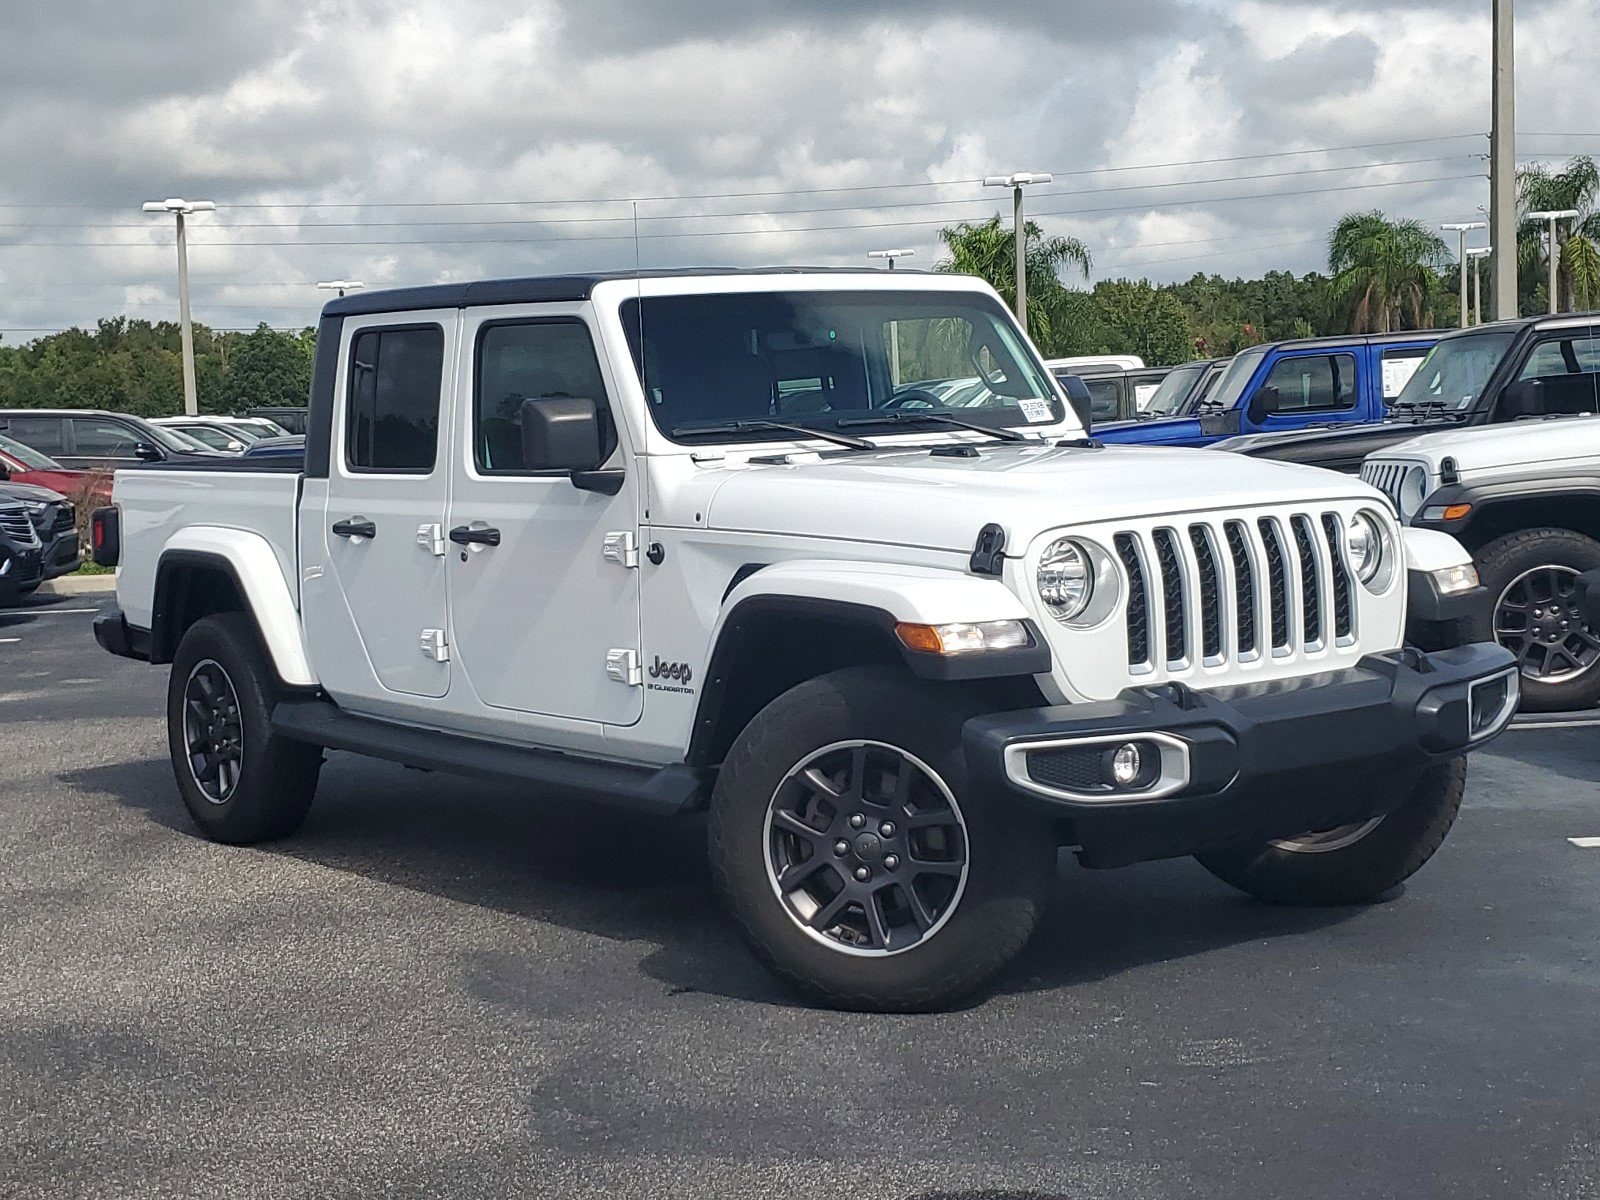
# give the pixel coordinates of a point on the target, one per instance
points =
(1106, 398)
(392, 422)
(1398, 368)
(1314, 383)
(1569, 367)
(42, 433)
(529, 360)
(103, 439)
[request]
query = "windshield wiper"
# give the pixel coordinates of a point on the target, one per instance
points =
(709, 428)
(911, 418)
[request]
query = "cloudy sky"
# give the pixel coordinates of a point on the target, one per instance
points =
(411, 141)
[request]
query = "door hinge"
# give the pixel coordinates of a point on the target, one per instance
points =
(623, 666)
(622, 549)
(434, 646)
(431, 539)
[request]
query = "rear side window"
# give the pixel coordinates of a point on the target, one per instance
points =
(529, 360)
(392, 420)
(1314, 383)
(103, 439)
(1105, 396)
(41, 433)
(1569, 368)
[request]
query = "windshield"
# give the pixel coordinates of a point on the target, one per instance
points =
(1235, 379)
(176, 439)
(28, 456)
(214, 436)
(1453, 375)
(1171, 399)
(816, 359)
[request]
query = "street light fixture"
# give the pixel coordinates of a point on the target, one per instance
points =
(1477, 257)
(341, 285)
(1461, 228)
(891, 255)
(181, 209)
(1553, 215)
(1019, 227)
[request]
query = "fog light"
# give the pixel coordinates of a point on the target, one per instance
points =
(1126, 765)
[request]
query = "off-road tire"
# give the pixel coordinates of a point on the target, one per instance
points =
(277, 777)
(1363, 871)
(1503, 560)
(1011, 854)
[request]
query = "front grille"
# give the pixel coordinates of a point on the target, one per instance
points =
(1386, 477)
(14, 523)
(1236, 590)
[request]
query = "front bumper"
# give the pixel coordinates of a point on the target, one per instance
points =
(1240, 765)
(62, 555)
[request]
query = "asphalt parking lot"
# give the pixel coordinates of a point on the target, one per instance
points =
(444, 988)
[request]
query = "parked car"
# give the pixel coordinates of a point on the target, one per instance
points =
(21, 553)
(1524, 498)
(288, 419)
(1116, 393)
(55, 520)
(259, 426)
(901, 654)
(87, 439)
(1486, 375)
(24, 464)
(1292, 385)
(292, 446)
(1179, 390)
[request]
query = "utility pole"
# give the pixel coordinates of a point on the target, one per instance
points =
(1554, 255)
(1461, 228)
(1503, 162)
(1477, 257)
(1019, 228)
(180, 209)
(894, 326)
(341, 286)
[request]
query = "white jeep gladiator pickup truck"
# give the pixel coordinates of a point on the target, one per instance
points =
(732, 540)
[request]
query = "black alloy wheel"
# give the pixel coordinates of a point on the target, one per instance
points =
(212, 731)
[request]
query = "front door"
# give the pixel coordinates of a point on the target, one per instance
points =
(375, 613)
(544, 579)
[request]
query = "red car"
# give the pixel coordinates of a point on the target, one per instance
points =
(23, 464)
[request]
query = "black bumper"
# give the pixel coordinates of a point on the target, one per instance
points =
(114, 633)
(1259, 761)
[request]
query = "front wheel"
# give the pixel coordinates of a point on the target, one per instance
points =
(1353, 864)
(853, 857)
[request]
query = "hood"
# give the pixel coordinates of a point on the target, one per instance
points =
(911, 497)
(28, 493)
(1169, 431)
(1542, 443)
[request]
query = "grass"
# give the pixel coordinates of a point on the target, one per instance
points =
(90, 567)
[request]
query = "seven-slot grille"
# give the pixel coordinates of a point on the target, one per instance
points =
(1386, 477)
(1234, 589)
(16, 525)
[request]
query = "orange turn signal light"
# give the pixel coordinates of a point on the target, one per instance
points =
(1454, 512)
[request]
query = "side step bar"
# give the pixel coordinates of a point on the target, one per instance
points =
(664, 791)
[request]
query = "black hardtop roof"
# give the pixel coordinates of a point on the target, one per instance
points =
(546, 289)
(1355, 339)
(1518, 324)
(8, 413)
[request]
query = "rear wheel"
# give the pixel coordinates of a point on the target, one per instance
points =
(241, 782)
(1353, 864)
(852, 856)
(1531, 579)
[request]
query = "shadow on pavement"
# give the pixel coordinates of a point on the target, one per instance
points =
(630, 878)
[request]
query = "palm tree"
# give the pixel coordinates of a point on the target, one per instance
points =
(989, 251)
(1385, 273)
(1539, 189)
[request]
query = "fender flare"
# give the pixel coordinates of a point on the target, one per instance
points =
(248, 559)
(1490, 496)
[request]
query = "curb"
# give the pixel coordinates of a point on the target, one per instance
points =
(77, 585)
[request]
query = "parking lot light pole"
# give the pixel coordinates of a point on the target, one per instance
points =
(1503, 160)
(341, 285)
(181, 209)
(894, 326)
(1461, 228)
(1477, 256)
(891, 255)
(1554, 215)
(1019, 228)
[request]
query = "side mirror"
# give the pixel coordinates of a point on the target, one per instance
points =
(1078, 396)
(1524, 398)
(563, 434)
(1263, 404)
(145, 452)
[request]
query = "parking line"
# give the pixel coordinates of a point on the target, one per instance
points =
(1572, 723)
(44, 612)
(1586, 843)
(8, 641)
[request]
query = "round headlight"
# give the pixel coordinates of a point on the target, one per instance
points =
(1065, 579)
(1364, 542)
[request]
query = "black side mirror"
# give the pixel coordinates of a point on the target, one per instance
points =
(564, 434)
(1229, 422)
(1524, 398)
(145, 452)
(1263, 404)
(1078, 396)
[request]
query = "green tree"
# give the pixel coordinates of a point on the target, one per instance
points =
(988, 250)
(1539, 189)
(1385, 273)
(1139, 318)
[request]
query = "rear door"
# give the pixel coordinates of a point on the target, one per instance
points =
(47, 435)
(375, 577)
(546, 618)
